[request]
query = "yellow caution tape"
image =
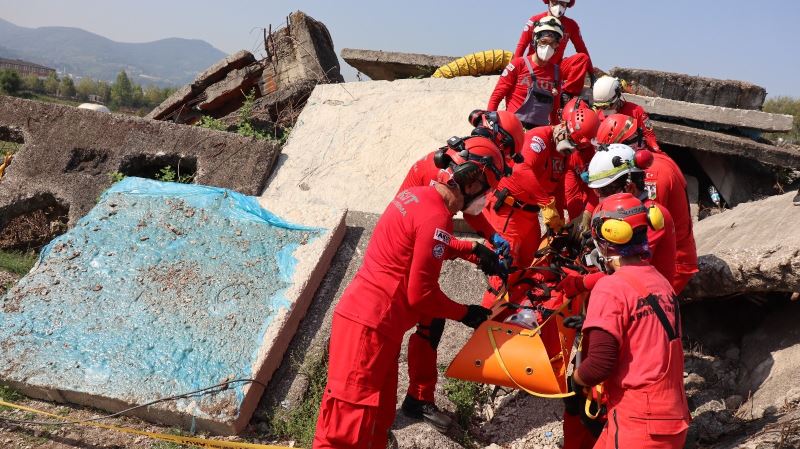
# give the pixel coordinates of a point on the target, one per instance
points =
(192, 441)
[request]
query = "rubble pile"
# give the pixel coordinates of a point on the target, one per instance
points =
(300, 55)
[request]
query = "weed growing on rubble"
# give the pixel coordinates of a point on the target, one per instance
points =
(245, 126)
(9, 394)
(17, 262)
(116, 176)
(212, 123)
(467, 397)
(299, 423)
(168, 174)
(8, 148)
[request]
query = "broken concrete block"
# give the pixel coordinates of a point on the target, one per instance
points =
(235, 86)
(720, 143)
(737, 180)
(768, 364)
(162, 289)
(695, 89)
(354, 143)
(693, 192)
(69, 155)
(744, 118)
(389, 66)
(215, 73)
(752, 248)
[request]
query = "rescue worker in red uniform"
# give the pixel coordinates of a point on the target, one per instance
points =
(664, 184)
(396, 285)
(632, 336)
(530, 85)
(573, 70)
(614, 170)
(580, 198)
(536, 185)
(501, 128)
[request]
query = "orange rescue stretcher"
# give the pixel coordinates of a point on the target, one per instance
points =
(532, 360)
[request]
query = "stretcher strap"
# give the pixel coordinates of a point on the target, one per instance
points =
(588, 405)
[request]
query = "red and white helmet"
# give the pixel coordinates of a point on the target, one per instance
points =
(465, 161)
(610, 162)
(570, 5)
(502, 127)
(558, 8)
(620, 128)
(582, 124)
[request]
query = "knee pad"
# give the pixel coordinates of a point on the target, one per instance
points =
(434, 334)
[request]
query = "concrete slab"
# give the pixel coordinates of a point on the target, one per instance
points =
(162, 289)
(390, 65)
(69, 154)
(737, 180)
(744, 118)
(354, 143)
(696, 89)
(720, 143)
(753, 248)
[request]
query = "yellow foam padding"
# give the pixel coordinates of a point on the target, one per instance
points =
(487, 62)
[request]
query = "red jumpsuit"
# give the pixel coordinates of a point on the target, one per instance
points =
(515, 81)
(647, 405)
(535, 181)
(577, 193)
(573, 68)
(666, 184)
(396, 284)
(422, 372)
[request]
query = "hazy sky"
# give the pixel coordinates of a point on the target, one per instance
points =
(756, 41)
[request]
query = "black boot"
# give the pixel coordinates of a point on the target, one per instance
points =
(416, 409)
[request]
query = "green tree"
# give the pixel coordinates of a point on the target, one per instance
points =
(103, 89)
(138, 96)
(785, 105)
(51, 84)
(85, 87)
(33, 83)
(10, 82)
(67, 87)
(122, 91)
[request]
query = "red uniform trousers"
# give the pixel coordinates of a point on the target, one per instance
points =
(652, 417)
(573, 73)
(358, 405)
(577, 435)
(422, 372)
(521, 230)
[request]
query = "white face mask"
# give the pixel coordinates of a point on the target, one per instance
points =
(545, 52)
(476, 206)
(557, 10)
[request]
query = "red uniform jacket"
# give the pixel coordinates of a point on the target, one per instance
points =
(662, 244)
(515, 81)
(579, 196)
(424, 173)
(540, 177)
(638, 112)
(572, 32)
(398, 281)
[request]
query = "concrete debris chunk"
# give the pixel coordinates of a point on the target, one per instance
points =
(753, 248)
(390, 66)
(743, 118)
(69, 156)
(235, 85)
(695, 89)
(170, 314)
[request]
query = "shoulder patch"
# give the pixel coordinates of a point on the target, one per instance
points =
(650, 188)
(438, 251)
(442, 236)
(537, 144)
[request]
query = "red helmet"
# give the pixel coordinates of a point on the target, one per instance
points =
(503, 127)
(573, 105)
(620, 222)
(570, 5)
(620, 128)
(467, 160)
(582, 124)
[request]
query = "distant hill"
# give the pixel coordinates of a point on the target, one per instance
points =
(170, 61)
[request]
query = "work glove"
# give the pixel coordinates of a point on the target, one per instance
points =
(475, 316)
(574, 322)
(552, 219)
(579, 227)
(573, 405)
(572, 285)
(488, 261)
(501, 246)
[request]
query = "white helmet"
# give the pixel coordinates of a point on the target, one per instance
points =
(548, 23)
(609, 163)
(607, 90)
